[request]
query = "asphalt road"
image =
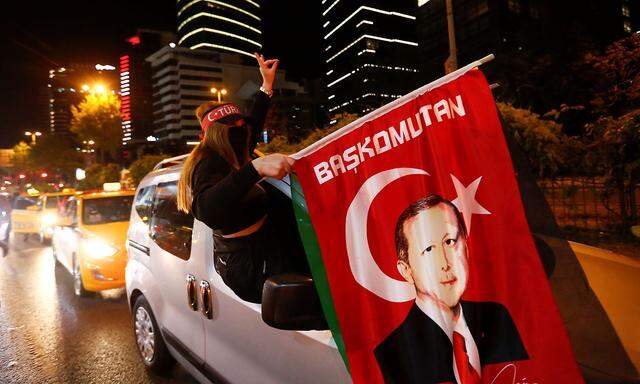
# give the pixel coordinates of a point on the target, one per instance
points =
(48, 335)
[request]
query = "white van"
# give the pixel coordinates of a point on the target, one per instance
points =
(183, 310)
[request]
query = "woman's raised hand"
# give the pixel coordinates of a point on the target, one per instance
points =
(268, 70)
(275, 165)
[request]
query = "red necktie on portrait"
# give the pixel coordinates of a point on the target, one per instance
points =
(467, 374)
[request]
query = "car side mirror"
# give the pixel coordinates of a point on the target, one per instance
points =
(291, 302)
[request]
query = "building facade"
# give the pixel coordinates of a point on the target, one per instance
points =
(370, 50)
(535, 42)
(136, 105)
(67, 86)
(229, 26)
(185, 78)
(630, 16)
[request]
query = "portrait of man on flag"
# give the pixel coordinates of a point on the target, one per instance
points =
(417, 293)
(443, 338)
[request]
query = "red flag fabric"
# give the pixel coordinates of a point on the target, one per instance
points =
(432, 269)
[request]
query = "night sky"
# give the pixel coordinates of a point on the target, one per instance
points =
(37, 36)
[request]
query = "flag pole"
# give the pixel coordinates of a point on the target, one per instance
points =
(397, 102)
(451, 64)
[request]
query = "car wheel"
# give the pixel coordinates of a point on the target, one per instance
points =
(153, 350)
(78, 287)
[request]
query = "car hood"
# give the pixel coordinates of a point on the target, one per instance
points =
(112, 233)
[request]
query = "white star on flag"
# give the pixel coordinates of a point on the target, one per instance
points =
(466, 200)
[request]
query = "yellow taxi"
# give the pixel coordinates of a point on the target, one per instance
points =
(39, 217)
(25, 218)
(49, 206)
(89, 240)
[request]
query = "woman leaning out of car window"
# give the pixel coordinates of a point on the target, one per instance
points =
(220, 185)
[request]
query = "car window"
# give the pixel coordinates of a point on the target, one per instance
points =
(54, 201)
(22, 203)
(144, 202)
(170, 228)
(106, 210)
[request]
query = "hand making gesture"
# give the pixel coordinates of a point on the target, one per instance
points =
(268, 70)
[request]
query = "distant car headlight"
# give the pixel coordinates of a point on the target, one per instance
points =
(49, 219)
(98, 249)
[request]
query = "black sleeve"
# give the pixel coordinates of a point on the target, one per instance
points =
(257, 117)
(217, 190)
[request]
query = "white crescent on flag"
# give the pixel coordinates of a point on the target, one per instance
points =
(363, 266)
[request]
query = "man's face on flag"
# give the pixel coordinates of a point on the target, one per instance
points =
(436, 260)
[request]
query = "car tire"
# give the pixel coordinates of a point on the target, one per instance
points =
(151, 345)
(78, 286)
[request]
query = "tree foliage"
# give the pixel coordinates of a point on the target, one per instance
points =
(56, 154)
(21, 159)
(98, 174)
(542, 140)
(97, 118)
(142, 166)
(280, 144)
(614, 152)
(617, 78)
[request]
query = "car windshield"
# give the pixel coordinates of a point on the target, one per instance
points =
(55, 201)
(106, 210)
(22, 203)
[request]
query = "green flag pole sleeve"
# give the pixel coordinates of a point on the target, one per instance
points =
(314, 257)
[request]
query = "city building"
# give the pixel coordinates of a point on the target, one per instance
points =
(66, 86)
(184, 78)
(507, 28)
(136, 105)
(630, 15)
(6, 158)
(370, 50)
(224, 26)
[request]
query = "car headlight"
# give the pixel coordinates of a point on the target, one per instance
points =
(49, 219)
(98, 249)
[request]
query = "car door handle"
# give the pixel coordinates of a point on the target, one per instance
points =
(207, 302)
(192, 293)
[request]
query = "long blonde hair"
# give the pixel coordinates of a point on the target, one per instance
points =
(215, 140)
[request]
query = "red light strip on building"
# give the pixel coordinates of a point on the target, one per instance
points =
(125, 99)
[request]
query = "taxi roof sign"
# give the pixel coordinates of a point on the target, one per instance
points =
(111, 187)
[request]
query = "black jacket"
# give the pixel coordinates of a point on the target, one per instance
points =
(226, 199)
(418, 351)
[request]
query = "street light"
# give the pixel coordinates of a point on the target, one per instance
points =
(97, 88)
(219, 92)
(33, 136)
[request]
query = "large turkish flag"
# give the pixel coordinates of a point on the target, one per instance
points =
(432, 270)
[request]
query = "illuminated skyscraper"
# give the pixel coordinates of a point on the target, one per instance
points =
(136, 104)
(370, 52)
(229, 26)
(66, 89)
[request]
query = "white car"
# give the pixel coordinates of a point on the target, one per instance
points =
(182, 309)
